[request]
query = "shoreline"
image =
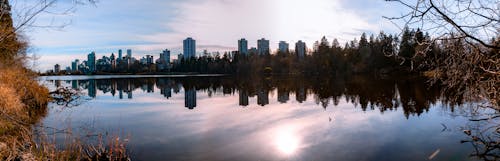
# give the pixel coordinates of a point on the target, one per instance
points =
(85, 77)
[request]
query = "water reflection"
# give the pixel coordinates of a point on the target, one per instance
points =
(414, 96)
(280, 118)
(286, 140)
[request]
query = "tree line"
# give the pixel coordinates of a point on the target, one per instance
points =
(412, 51)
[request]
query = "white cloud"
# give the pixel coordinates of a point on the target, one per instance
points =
(223, 22)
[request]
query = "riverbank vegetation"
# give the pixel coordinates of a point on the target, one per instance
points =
(24, 102)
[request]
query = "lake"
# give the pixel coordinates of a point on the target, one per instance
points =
(275, 118)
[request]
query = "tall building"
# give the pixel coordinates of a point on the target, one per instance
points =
(57, 68)
(163, 63)
(263, 46)
(74, 65)
(165, 56)
(149, 59)
(120, 54)
(189, 48)
(129, 53)
(283, 46)
(243, 46)
(91, 62)
(300, 49)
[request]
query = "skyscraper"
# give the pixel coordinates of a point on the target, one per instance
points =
(189, 48)
(149, 59)
(163, 63)
(263, 46)
(283, 46)
(74, 65)
(300, 49)
(165, 56)
(120, 54)
(243, 46)
(57, 68)
(91, 61)
(129, 53)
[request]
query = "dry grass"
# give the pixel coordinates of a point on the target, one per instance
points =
(10, 102)
(23, 102)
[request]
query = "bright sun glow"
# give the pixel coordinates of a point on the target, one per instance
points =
(286, 142)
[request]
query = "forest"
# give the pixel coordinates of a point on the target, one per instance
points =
(412, 52)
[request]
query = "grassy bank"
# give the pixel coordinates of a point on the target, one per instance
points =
(23, 104)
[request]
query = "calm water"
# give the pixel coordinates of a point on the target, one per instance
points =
(224, 118)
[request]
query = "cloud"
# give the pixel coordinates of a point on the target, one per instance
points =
(223, 22)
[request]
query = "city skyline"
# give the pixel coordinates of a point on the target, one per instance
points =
(167, 56)
(162, 24)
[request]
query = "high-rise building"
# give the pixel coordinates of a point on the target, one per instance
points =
(74, 65)
(165, 56)
(243, 46)
(129, 53)
(189, 48)
(120, 54)
(263, 46)
(91, 62)
(113, 61)
(163, 63)
(57, 68)
(283, 46)
(149, 59)
(300, 49)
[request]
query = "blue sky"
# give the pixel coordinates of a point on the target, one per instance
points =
(147, 27)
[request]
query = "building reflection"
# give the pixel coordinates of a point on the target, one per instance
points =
(300, 95)
(92, 88)
(283, 95)
(190, 98)
(243, 95)
(414, 96)
(263, 97)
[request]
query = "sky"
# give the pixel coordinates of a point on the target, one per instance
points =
(148, 27)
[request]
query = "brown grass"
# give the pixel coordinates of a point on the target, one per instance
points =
(23, 103)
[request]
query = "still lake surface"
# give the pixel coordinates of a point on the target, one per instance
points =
(286, 118)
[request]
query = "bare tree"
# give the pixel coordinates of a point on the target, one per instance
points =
(475, 20)
(14, 22)
(465, 47)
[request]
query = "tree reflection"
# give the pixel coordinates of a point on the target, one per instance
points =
(413, 96)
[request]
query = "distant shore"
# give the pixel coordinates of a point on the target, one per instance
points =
(84, 77)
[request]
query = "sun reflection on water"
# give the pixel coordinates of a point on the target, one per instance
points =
(286, 141)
